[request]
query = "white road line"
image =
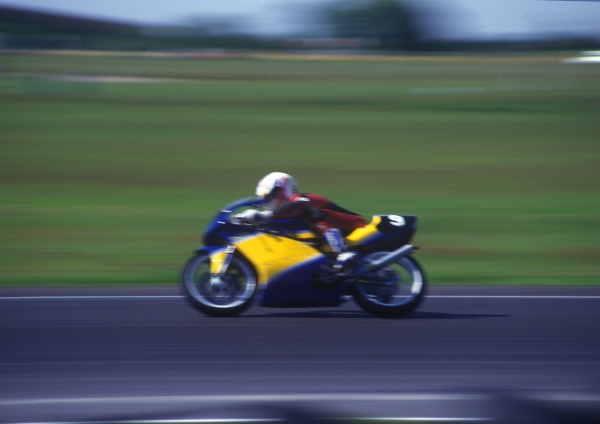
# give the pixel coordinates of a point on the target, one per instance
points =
(177, 297)
(175, 421)
(318, 397)
(255, 420)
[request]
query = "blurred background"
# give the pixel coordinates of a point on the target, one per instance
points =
(349, 24)
(126, 125)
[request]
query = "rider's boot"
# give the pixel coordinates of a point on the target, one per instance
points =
(343, 258)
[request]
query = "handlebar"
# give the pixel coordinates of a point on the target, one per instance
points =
(262, 227)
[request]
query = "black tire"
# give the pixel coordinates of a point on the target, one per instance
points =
(394, 290)
(235, 294)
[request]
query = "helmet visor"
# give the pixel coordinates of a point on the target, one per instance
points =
(274, 199)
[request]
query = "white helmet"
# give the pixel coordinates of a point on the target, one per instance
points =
(276, 188)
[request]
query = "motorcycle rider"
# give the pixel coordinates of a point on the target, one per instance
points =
(326, 219)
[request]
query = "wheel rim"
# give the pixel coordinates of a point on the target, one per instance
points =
(235, 288)
(394, 285)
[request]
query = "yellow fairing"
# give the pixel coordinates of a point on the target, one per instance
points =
(271, 255)
(361, 234)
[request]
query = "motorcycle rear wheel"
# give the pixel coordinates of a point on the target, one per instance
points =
(231, 297)
(394, 290)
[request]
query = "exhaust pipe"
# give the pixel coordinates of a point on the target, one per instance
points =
(391, 257)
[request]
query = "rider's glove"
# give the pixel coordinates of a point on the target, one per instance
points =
(245, 217)
(262, 216)
(252, 216)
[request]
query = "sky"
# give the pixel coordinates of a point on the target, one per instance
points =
(454, 19)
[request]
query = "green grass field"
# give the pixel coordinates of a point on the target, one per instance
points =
(112, 183)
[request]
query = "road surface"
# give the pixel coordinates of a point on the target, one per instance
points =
(512, 354)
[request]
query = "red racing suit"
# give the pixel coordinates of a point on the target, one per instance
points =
(319, 213)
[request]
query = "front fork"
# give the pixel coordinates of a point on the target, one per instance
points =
(217, 283)
(226, 260)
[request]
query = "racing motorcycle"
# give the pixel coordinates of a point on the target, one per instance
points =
(283, 264)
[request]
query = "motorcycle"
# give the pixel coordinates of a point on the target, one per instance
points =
(284, 264)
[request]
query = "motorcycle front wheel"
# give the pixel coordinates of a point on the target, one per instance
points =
(231, 294)
(392, 291)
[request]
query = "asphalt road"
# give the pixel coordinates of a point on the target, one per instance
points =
(512, 354)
